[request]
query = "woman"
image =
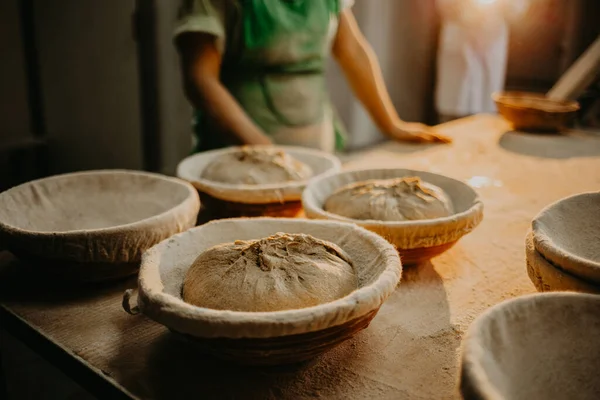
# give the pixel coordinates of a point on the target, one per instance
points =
(254, 70)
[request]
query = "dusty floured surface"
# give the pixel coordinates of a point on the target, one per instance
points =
(280, 272)
(410, 349)
(401, 199)
(256, 166)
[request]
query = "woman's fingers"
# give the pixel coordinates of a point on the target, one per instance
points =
(437, 137)
(421, 133)
(434, 137)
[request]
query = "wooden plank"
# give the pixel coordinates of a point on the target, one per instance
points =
(409, 350)
(71, 364)
(579, 76)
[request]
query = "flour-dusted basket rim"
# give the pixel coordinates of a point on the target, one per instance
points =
(190, 169)
(403, 234)
(550, 278)
(69, 216)
(538, 346)
(165, 265)
(566, 233)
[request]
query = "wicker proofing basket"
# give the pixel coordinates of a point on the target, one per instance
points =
(547, 277)
(566, 234)
(266, 338)
(541, 346)
(417, 241)
(95, 225)
(222, 200)
(535, 112)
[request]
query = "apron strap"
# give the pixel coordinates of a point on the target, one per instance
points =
(262, 18)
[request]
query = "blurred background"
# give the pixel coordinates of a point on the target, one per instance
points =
(95, 83)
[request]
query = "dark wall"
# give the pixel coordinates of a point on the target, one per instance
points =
(556, 32)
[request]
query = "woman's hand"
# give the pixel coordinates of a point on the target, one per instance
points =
(360, 65)
(417, 132)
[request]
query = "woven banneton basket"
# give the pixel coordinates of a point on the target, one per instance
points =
(536, 347)
(417, 241)
(95, 225)
(221, 200)
(567, 234)
(547, 277)
(535, 112)
(266, 338)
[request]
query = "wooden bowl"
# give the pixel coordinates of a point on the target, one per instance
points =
(222, 200)
(266, 338)
(282, 350)
(422, 254)
(417, 241)
(215, 208)
(567, 234)
(541, 346)
(94, 226)
(547, 277)
(535, 112)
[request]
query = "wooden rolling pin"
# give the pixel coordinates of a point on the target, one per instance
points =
(579, 76)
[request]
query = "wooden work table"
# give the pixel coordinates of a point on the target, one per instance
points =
(410, 349)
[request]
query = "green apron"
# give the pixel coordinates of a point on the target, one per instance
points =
(277, 73)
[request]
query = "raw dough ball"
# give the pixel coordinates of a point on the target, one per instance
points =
(400, 199)
(256, 166)
(280, 272)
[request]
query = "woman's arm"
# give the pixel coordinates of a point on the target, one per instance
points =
(361, 68)
(201, 63)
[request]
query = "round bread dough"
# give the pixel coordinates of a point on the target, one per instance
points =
(256, 166)
(280, 272)
(400, 199)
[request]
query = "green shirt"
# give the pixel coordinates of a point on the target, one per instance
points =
(274, 55)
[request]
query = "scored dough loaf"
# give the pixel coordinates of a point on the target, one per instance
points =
(256, 166)
(399, 199)
(280, 272)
